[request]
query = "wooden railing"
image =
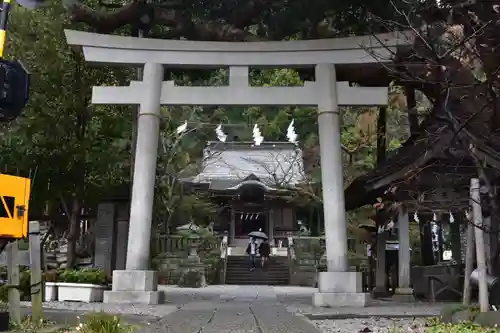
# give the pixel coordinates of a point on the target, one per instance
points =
(174, 243)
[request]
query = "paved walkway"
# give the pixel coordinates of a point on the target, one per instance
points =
(178, 295)
(244, 309)
(233, 316)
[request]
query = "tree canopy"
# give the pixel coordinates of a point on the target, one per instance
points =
(79, 154)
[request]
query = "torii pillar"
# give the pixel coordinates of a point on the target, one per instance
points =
(137, 283)
(338, 285)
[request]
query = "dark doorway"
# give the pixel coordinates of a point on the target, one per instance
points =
(248, 222)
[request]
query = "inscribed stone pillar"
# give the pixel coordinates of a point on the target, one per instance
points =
(138, 284)
(380, 271)
(404, 253)
(122, 227)
(104, 231)
(337, 286)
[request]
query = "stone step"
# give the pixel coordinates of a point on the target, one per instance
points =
(243, 276)
(246, 271)
(282, 282)
(245, 261)
(237, 271)
(246, 268)
(259, 283)
(249, 275)
(239, 259)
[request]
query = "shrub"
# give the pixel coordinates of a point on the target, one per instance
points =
(29, 325)
(469, 321)
(103, 323)
(191, 279)
(52, 275)
(24, 287)
(450, 311)
(464, 327)
(86, 275)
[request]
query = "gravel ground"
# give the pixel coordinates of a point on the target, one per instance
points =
(129, 309)
(375, 325)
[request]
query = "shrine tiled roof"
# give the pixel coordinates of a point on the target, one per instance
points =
(274, 164)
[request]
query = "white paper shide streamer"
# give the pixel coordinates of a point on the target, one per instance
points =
(389, 225)
(257, 135)
(221, 136)
(182, 128)
(290, 133)
(452, 218)
(415, 217)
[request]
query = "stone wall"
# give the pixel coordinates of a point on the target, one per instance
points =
(173, 266)
(310, 259)
(308, 256)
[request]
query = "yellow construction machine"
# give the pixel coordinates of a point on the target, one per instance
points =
(14, 92)
(14, 198)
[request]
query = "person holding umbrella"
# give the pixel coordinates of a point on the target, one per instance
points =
(260, 236)
(252, 252)
(265, 252)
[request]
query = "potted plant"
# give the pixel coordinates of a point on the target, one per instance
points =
(50, 278)
(82, 285)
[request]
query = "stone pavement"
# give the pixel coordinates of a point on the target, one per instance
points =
(245, 309)
(178, 295)
(232, 316)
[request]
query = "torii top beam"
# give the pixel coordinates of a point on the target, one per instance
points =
(119, 50)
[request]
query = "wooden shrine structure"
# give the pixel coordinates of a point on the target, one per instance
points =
(254, 185)
(429, 176)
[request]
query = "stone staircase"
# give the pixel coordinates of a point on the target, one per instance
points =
(237, 271)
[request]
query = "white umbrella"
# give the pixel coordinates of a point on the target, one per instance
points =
(258, 234)
(190, 226)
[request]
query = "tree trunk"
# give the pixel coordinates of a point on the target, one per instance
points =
(74, 231)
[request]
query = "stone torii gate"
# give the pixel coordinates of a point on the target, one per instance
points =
(338, 286)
